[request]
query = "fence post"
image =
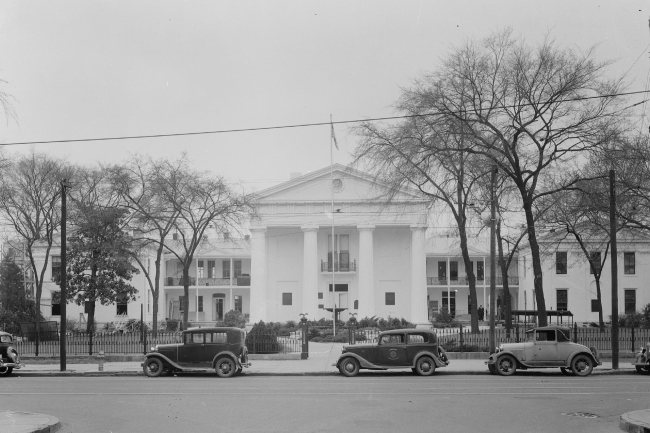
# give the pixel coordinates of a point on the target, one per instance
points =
(461, 337)
(304, 326)
(632, 339)
(353, 329)
(575, 332)
(517, 333)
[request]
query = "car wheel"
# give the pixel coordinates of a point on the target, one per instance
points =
(425, 366)
(582, 365)
(6, 371)
(506, 365)
(153, 367)
(640, 369)
(492, 368)
(566, 371)
(349, 367)
(225, 367)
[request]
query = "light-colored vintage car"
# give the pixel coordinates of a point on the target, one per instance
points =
(416, 349)
(642, 360)
(547, 347)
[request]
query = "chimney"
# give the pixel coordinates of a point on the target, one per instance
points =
(294, 174)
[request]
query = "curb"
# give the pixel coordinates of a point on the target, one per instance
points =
(441, 372)
(28, 422)
(635, 422)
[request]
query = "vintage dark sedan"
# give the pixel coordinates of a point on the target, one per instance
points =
(9, 358)
(547, 347)
(222, 349)
(402, 348)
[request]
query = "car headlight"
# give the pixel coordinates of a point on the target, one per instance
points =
(154, 349)
(500, 348)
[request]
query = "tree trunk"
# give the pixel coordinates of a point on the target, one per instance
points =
(537, 264)
(155, 315)
(601, 322)
(37, 320)
(469, 269)
(186, 295)
(156, 293)
(507, 308)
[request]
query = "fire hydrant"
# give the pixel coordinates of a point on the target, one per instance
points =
(100, 355)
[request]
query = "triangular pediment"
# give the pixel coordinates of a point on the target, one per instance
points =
(349, 185)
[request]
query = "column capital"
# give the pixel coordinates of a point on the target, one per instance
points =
(368, 227)
(310, 228)
(257, 229)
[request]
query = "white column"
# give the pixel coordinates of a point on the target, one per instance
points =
(366, 273)
(258, 290)
(310, 271)
(418, 276)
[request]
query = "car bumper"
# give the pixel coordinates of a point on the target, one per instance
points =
(15, 365)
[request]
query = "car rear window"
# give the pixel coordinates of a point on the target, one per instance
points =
(416, 339)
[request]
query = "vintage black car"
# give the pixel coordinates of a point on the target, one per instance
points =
(9, 358)
(547, 347)
(202, 348)
(402, 348)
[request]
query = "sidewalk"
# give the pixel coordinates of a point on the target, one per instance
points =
(321, 358)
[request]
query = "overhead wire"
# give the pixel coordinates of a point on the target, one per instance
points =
(303, 125)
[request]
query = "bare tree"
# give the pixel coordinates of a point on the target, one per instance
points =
(529, 109)
(200, 201)
(30, 194)
(152, 217)
(426, 155)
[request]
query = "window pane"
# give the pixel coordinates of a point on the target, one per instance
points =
(415, 339)
(480, 273)
(629, 264)
(594, 305)
(200, 304)
(238, 303)
(237, 268)
(562, 299)
(287, 298)
(442, 270)
(453, 271)
(561, 262)
(197, 338)
(390, 298)
(630, 301)
(219, 337)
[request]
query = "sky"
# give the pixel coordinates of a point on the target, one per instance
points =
(95, 69)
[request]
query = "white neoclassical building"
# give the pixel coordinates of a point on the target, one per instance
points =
(324, 240)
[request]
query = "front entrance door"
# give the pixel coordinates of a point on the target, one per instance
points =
(343, 303)
(218, 309)
(449, 303)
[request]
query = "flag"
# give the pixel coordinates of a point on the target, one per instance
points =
(334, 135)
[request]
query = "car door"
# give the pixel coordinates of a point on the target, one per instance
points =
(190, 354)
(215, 342)
(545, 352)
(392, 350)
(416, 343)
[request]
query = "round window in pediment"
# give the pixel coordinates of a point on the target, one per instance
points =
(337, 185)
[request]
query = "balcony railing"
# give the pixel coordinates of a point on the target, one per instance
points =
(464, 281)
(214, 281)
(179, 281)
(338, 266)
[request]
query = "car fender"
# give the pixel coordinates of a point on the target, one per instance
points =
(436, 359)
(583, 352)
(509, 352)
(164, 359)
(362, 361)
(229, 354)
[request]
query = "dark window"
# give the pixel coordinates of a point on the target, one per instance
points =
(595, 260)
(356, 304)
(594, 305)
(216, 337)
(630, 301)
(122, 303)
(339, 288)
(562, 300)
(442, 270)
(390, 298)
(238, 303)
(181, 303)
(545, 335)
(480, 271)
(56, 303)
(200, 304)
(56, 266)
(237, 268)
(629, 261)
(321, 306)
(87, 307)
(287, 299)
(453, 271)
(415, 339)
(320, 295)
(561, 262)
(200, 269)
(225, 269)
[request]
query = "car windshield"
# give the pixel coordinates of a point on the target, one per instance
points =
(5, 339)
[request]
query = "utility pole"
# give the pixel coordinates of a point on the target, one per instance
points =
(614, 264)
(63, 339)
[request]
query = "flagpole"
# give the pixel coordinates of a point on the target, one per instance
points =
(333, 242)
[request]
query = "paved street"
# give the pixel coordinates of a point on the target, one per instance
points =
(368, 403)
